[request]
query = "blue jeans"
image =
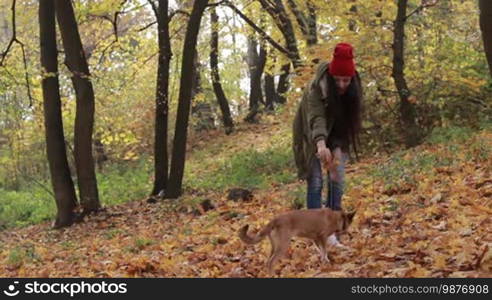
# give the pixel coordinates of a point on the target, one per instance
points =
(335, 186)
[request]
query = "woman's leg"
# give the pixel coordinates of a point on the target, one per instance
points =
(314, 185)
(336, 182)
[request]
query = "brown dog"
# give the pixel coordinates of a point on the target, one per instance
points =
(316, 224)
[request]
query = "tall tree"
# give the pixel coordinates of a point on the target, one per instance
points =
(293, 56)
(283, 84)
(161, 161)
(217, 86)
(306, 22)
(352, 22)
(256, 64)
(486, 27)
(84, 119)
(270, 93)
(201, 109)
(276, 10)
(309, 28)
(282, 21)
(408, 113)
(61, 180)
(181, 131)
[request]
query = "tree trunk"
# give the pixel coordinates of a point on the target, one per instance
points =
(161, 161)
(270, 93)
(312, 24)
(214, 62)
(407, 110)
(276, 10)
(256, 64)
(180, 136)
(283, 84)
(99, 153)
(307, 23)
(352, 26)
(264, 36)
(309, 29)
(201, 110)
(61, 180)
(196, 82)
(84, 118)
(486, 27)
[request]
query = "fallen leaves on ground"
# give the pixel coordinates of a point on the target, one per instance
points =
(438, 226)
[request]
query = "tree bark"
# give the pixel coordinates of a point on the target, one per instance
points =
(201, 110)
(261, 32)
(307, 23)
(283, 84)
(486, 27)
(214, 62)
(352, 26)
(84, 118)
(276, 10)
(181, 131)
(312, 23)
(61, 180)
(270, 93)
(407, 109)
(161, 160)
(256, 64)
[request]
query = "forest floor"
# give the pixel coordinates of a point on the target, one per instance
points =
(425, 212)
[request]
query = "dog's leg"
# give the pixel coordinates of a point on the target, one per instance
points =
(281, 241)
(273, 244)
(321, 245)
(318, 247)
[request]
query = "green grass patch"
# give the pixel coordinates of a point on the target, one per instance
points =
(20, 254)
(247, 169)
(399, 166)
(21, 208)
(120, 183)
(139, 243)
(298, 197)
(112, 233)
(399, 172)
(458, 145)
(454, 134)
(34, 203)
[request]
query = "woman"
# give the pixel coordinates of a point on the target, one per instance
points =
(326, 126)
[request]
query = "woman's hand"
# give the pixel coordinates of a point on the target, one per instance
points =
(323, 153)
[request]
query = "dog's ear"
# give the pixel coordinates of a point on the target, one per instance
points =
(350, 216)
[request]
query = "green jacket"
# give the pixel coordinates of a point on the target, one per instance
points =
(314, 120)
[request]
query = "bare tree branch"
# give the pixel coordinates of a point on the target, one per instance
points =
(147, 26)
(15, 40)
(171, 15)
(424, 4)
(154, 7)
(216, 4)
(262, 33)
(28, 85)
(300, 17)
(178, 11)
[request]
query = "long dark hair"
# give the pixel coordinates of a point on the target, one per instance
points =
(352, 109)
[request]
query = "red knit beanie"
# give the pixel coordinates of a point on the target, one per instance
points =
(343, 61)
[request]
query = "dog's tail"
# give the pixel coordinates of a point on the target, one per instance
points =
(243, 234)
